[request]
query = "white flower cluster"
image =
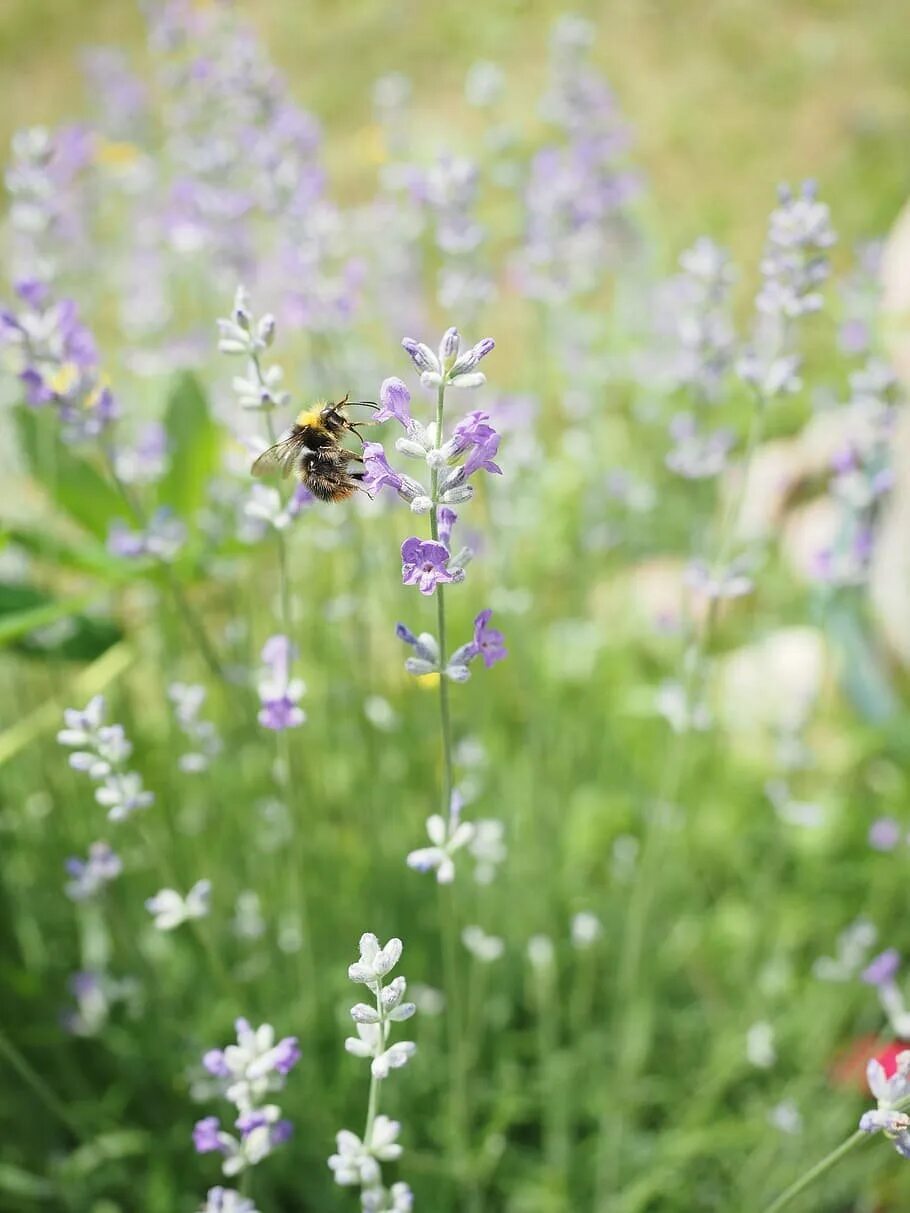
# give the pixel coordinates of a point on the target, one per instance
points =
(358, 1160)
(449, 367)
(484, 841)
(171, 909)
(892, 1096)
(226, 1200)
(257, 390)
(102, 750)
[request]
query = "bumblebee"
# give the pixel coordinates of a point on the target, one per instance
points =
(312, 450)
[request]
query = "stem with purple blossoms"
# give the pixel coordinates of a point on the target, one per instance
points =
(430, 565)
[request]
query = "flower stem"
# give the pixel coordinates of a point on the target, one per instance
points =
(814, 1173)
(34, 1080)
(448, 924)
(373, 1097)
(634, 1044)
(285, 776)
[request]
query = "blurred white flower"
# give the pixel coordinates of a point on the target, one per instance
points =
(170, 909)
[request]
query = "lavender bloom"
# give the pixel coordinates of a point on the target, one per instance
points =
(170, 910)
(424, 564)
(278, 691)
(424, 645)
(475, 438)
(252, 1070)
(483, 947)
(579, 191)
(379, 472)
(56, 361)
(264, 504)
(703, 319)
(731, 582)
(795, 262)
(163, 538)
(226, 1200)
(201, 734)
(447, 368)
(146, 461)
(205, 1135)
(358, 1161)
(883, 969)
(488, 642)
(447, 838)
(884, 834)
(90, 875)
(697, 455)
(394, 401)
(889, 1092)
(102, 750)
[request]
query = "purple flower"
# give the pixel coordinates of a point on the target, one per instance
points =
(281, 1132)
(125, 542)
(481, 458)
(36, 390)
(214, 1061)
(394, 400)
(882, 970)
(378, 471)
(90, 875)
(424, 564)
(205, 1135)
(33, 292)
(488, 642)
(254, 1119)
(884, 834)
(279, 693)
(404, 633)
(472, 430)
(445, 520)
(287, 1054)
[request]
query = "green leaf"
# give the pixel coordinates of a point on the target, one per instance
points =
(16, 1182)
(85, 557)
(28, 617)
(194, 443)
(108, 1147)
(78, 488)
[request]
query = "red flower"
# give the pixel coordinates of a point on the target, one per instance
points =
(849, 1068)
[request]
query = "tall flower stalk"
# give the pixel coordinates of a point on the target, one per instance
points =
(793, 268)
(432, 565)
(358, 1160)
(259, 390)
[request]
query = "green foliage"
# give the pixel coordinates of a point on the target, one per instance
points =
(74, 485)
(194, 447)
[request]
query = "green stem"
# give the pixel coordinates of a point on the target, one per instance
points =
(373, 1097)
(632, 1051)
(286, 780)
(814, 1173)
(194, 624)
(448, 918)
(34, 1080)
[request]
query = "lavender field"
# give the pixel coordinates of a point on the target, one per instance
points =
(454, 608)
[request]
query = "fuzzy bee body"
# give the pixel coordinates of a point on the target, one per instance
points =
(312, 450)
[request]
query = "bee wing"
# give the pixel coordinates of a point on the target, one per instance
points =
(281, 458)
